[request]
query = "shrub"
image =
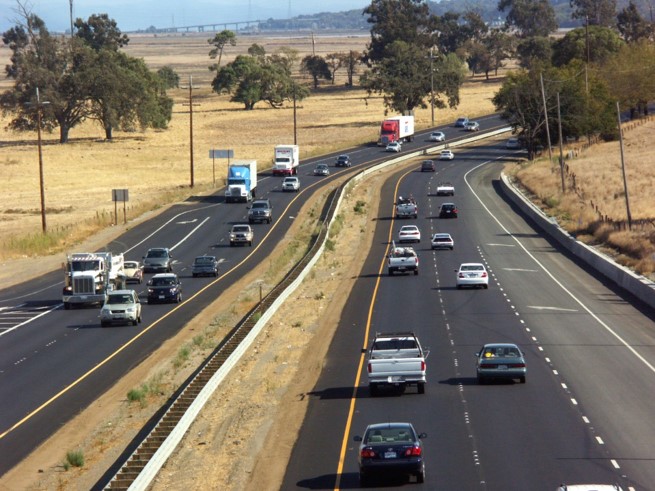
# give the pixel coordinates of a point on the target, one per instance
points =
(74, 458)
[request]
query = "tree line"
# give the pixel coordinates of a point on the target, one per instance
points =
(414, 59)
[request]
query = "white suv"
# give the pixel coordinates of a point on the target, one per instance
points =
(121, 307)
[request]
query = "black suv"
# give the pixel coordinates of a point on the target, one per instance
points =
(260, 211)
(448, 210)
(343, 161)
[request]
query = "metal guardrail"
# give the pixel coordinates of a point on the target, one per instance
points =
(179, 413)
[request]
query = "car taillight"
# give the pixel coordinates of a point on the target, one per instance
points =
(368, 453)
(370, 368)
(461, 275)
(423, 366)
(516, 365)
(413, 452)
(484, 275)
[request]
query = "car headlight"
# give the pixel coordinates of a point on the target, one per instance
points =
(131, 309)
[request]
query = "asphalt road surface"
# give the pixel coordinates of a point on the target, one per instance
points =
(584, 415)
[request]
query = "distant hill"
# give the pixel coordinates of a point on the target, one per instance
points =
(488, 9)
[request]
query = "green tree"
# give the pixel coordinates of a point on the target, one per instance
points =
(316, 67)
(123, 92)
(452, 36)
(42, 61)
(596, 12)
(520, 102)
(219, 41)
(603, 43)
(632, 25)
(406, 20)
(335, 61)
(257, 77)
(629, 78)
(120, 89)
(534, 51)
(530, 18)
(169, 77)
(100, 32)
(352, 60)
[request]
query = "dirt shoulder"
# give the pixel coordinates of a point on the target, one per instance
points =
(256, 407)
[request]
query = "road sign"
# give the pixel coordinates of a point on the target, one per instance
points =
(221, 154)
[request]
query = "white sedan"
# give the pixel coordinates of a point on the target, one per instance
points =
(472, 274)
(409, 233)
(442, 241)
(394, 147)
(446, 155)
(437, 136)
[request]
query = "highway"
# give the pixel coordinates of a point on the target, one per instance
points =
(585, 413)
(55, 363)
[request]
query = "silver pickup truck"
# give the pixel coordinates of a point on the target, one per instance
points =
(402, 259)
(396, 359)
(406, 208)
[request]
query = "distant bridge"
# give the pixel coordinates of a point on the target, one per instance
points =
(220, 26)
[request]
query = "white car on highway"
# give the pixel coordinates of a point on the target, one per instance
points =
(394, 147)
(437, 136)
(409, 233)
(446, 155)
(442, 241)
(472, 274)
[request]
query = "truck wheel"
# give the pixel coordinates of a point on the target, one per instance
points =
(250, 243)
(421, 387)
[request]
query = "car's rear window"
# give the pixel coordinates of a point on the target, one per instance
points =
(390, 435)
(395, 344)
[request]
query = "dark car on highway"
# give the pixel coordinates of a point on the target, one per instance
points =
(343, 161)
(448, 210)
(428, 166)
(389, 450)
(164, 287)
(204, 266)
(500, 361)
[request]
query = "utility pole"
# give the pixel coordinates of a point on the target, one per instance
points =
(431, 88)
(543, 98)
(295, 124)
(561, 148)
(191, 128)
(71, 15)
(625, 181)
(39, 105)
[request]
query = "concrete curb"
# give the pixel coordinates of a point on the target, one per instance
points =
(637, 285)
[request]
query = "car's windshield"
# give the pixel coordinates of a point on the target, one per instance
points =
(472, 268)
(203, 260)
(118, 299)
(131, 265)
(156, 253)
(260, 205)
(163, 282)
(242, 228)
(85, 265)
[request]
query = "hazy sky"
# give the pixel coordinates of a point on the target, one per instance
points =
(131, 15)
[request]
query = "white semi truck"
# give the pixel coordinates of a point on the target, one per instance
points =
(90, 275)
(287, 160)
